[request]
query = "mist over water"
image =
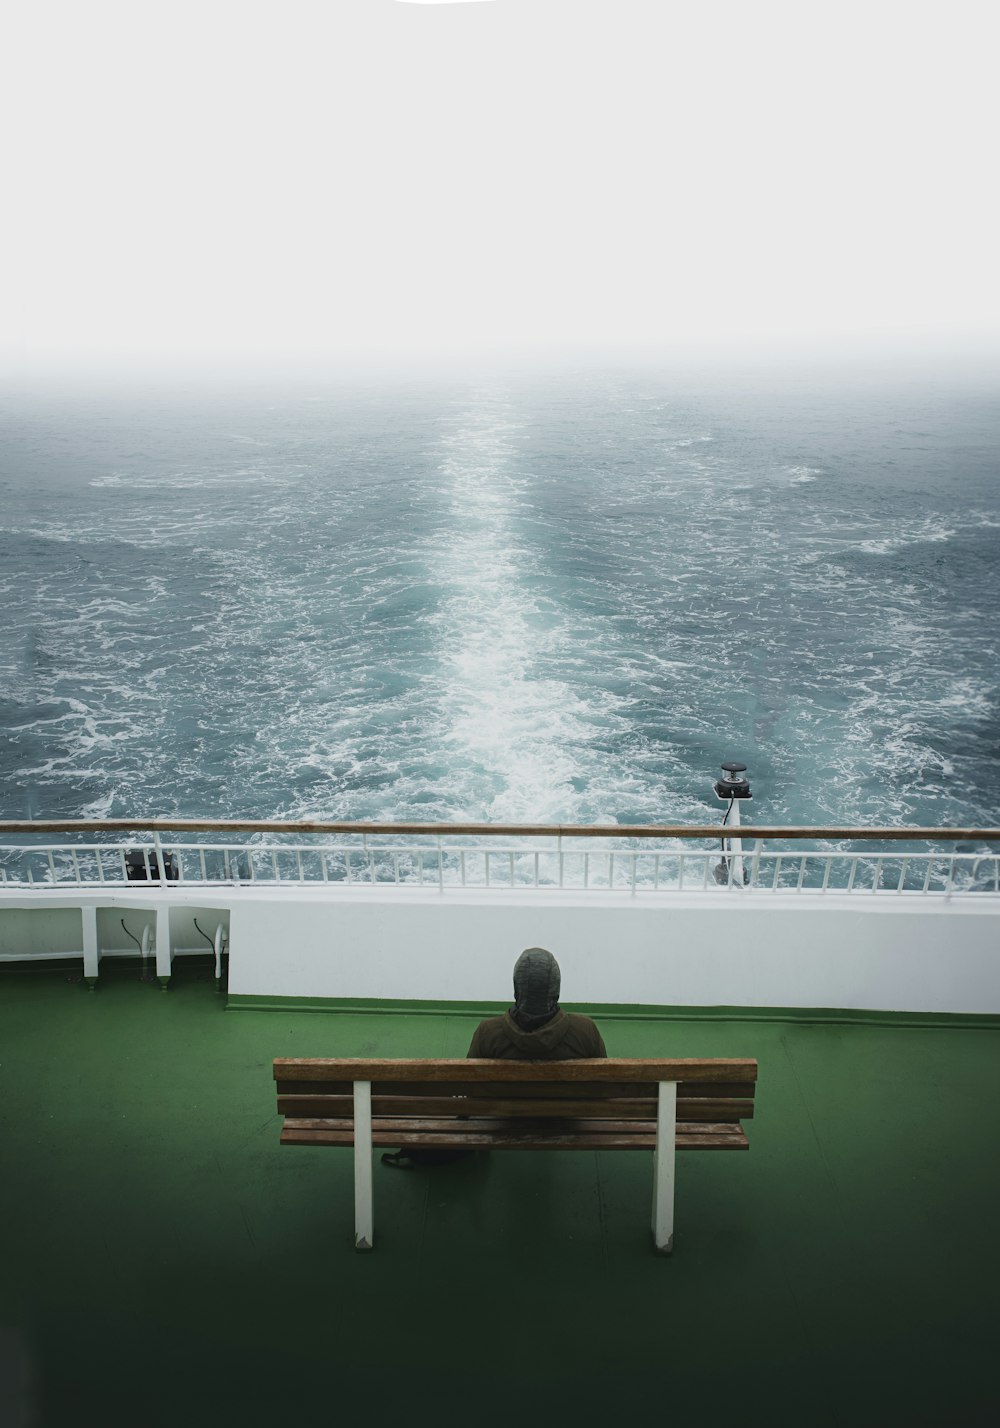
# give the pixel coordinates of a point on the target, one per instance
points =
(558, 599)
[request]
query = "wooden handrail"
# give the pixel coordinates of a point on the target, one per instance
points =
(496, 830)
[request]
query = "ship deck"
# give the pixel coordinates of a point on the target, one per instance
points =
(166, 1262)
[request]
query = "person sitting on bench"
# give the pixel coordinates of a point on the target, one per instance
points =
(536, 1028)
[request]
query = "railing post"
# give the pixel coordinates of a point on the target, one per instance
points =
(160, 870)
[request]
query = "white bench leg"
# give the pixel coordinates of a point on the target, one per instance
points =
(663, 1167)
(364, 1212)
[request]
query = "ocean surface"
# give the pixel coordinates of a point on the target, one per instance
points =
(565, 597)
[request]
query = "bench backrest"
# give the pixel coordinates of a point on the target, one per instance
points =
(709, 1089)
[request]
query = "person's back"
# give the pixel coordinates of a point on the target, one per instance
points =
(536, 1028)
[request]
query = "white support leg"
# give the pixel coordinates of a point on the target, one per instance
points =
(163, 946)
(663, 1167)
(735, 849)
(91, 951)
(364, 1211)
(217, 942)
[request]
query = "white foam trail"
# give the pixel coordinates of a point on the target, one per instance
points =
(513, 732)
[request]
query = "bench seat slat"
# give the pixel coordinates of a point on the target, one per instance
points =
(450, 1125)
(722, 1138)
(711, 1069)
(473, 1133)
(624, 1108)
(457, 1127)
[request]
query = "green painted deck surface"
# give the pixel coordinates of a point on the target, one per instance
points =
(165, 1262)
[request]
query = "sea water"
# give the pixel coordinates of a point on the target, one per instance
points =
(561, 597)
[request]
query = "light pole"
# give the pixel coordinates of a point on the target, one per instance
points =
(732, 788)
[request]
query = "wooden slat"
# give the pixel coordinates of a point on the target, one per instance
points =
(728, 1090)
(619, 1107)
(686, 1090)
(522, 1090)
(288, 1087)
(707, 1108)
(695, 1109)
(722, 1138)
(457, 1129)
(708, 1070)
(449, 1125)
(474, 1140)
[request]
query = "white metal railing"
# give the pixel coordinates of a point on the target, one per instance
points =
(379, 855)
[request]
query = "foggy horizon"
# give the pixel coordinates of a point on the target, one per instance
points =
(974, 360)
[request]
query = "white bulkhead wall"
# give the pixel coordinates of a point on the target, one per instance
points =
(669, 950)
(919, 954)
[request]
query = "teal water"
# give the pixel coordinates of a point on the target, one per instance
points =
(563, 598)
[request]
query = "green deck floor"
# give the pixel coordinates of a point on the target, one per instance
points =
(166, 1263)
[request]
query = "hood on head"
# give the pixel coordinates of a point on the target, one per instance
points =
(536, 988)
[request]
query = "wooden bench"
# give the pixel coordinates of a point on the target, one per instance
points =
(657, 1105)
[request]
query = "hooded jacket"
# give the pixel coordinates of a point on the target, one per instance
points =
(568, 1036)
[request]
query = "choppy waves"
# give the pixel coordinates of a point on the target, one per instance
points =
(559, 603)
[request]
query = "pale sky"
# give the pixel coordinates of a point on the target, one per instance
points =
(341, 176)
